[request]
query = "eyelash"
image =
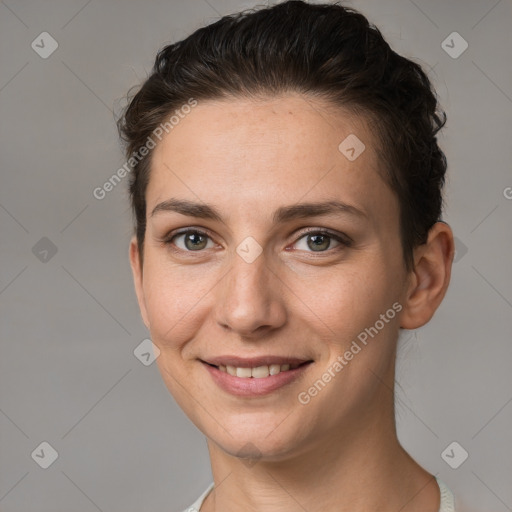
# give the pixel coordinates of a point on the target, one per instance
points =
(343, 240)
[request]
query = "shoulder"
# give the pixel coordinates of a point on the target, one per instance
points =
(196, 506)
(447, 499)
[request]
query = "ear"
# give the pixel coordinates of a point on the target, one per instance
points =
(136, 264)
(430, 278)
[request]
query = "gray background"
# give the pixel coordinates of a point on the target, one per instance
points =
(70, 323)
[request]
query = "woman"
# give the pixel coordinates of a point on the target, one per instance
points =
(287, 189)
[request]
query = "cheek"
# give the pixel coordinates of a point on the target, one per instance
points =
(345, 301)
(175, 301)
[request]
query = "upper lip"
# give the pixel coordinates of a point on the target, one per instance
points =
(253, 362)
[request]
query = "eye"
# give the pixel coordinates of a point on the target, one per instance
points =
(194, 240)
(321, 241)
(191, 240)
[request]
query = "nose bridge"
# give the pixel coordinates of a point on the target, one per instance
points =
(248, 297)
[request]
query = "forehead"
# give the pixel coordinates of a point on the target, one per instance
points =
(253, 151)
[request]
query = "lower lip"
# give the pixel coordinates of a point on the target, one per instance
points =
(251, 386)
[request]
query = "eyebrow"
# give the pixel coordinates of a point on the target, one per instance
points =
(281, 215)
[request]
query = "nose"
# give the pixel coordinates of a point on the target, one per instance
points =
(250, 299)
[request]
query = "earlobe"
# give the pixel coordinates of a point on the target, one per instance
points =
(136, 265)
(430, 277)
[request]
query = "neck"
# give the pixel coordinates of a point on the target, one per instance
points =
(358, 469)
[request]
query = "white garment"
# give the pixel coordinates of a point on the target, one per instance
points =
(447, 501)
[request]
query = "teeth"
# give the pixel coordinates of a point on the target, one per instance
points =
(274, 369)
(259, 372)
(243, 372)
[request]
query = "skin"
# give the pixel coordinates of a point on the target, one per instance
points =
(247, 158)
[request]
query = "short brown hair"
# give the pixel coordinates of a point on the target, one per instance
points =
(326, 50)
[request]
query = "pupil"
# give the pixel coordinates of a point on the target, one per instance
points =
(195, 240)
(319, 241)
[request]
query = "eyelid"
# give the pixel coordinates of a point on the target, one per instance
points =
(166, 239)
(187, 229)
(341, 237)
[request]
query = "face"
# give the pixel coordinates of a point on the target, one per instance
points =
(266, 247)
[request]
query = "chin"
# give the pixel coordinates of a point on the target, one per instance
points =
(256, 443)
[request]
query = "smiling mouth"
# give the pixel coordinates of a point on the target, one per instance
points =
(258, 372)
